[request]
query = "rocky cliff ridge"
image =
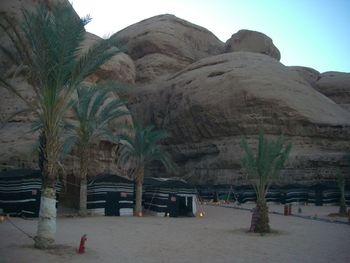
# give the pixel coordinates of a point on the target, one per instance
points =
(208, 95)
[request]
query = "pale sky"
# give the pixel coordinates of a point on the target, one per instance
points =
(311, 33)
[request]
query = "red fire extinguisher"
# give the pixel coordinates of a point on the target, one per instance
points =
(82, 244)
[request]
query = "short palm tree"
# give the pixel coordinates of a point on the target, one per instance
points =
(46, 53)
(142, 147)
(94, 109)
(262, 168)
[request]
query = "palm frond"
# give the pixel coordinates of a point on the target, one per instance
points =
(5, 84)
(97, 55)
(9, 26)
(144, 146)
(263, 167)
(67, 145)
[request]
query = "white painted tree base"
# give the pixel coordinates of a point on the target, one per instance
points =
(47, 222)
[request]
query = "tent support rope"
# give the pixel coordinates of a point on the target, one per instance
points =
(18, 228)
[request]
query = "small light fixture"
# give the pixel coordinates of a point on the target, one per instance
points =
(201, 214)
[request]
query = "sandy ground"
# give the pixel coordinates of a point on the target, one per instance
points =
(220, 236)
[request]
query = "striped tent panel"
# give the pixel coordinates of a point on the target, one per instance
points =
(317, 194)
(20, 192)
(293, 195)
(110, 195)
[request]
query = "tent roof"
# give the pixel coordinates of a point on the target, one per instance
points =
(105, 177)
(167, 183)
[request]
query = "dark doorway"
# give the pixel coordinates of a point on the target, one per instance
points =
(185, 206)
(173, 205)
(112, 204)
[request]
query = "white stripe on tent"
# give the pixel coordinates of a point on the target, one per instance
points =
(126, 211)
(153, 204)
(126, 202)
(98, 211)
(97, 202)
(17, 201)
(28, 212)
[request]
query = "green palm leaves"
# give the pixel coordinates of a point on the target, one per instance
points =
(94, 109)
(265, 165)
(143, 147)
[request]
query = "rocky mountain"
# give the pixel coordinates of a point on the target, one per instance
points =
(165, 44)
(208, 95)
(252, 41)
(210, 105)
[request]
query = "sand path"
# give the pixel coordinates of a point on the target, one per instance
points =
(218, 237)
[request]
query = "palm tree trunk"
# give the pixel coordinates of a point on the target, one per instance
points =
(342, 205)
(84, 161)
(47, 219)
(262, 225)
(46, 231)
(83, 197)
(138, 200)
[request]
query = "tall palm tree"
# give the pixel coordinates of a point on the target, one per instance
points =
(142, 147)
(94, 109)
(46, 48)
(262, 168)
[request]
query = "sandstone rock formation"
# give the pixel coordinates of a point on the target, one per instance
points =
(165, 44)
(208, 95)
(310, 75)
(120, 67)
(211, 104)
(336, 85)
(252, 41)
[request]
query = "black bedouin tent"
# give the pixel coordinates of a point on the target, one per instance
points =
(169, 196)
(318, 194)
(110, 195)
(20, 192)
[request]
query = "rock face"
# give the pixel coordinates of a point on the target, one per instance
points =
(207, 95)
(211, 104)
(336, 85)
(310, 75)
(252, 41)
(120, 67)
(165, 44)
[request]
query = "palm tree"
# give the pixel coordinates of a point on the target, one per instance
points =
(47, 54)
(262, 168)
(141, 148)
(94, 109)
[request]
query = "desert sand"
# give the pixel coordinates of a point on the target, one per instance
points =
(220, 236)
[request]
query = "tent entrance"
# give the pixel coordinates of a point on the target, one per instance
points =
(180, 205)
(112, 204)
(185, 206)
(173, 205)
